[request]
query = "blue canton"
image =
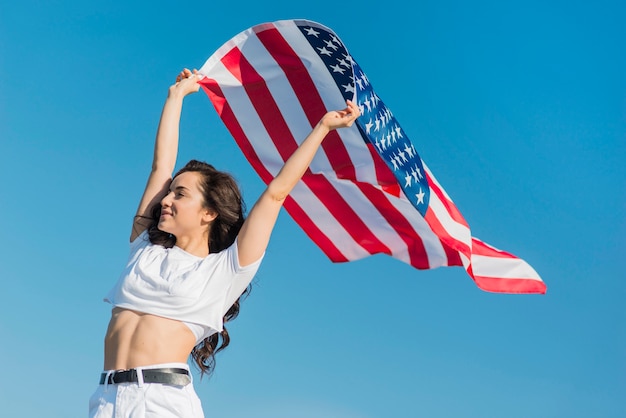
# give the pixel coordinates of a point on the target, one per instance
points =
(377, 124)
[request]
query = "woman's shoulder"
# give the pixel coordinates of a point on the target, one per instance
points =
(142, 239)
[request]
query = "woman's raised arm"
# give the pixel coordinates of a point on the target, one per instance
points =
(165, 149)
(257, 228)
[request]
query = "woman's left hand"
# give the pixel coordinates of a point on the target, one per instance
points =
(341, 118)
(186, 82)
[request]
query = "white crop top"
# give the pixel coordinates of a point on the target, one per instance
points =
(172, 283)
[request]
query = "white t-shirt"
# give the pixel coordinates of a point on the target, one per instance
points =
(172, 283)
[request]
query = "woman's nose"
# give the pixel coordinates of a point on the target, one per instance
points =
(166, 200)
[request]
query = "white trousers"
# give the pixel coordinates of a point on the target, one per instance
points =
(146, 400)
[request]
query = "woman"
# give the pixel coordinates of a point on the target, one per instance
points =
(192, 255)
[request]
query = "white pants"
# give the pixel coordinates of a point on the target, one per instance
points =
(147, 400)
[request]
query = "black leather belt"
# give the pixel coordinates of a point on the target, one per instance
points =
(167, 376)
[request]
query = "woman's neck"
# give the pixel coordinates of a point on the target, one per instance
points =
(195, 245)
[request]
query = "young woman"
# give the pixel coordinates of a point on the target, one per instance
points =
(192, 255)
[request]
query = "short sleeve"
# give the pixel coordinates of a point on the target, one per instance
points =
(242, 277)
(141, 241)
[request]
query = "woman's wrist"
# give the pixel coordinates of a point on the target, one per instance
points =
(174, 93)
(322, 127)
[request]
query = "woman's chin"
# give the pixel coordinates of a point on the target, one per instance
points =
(163, 227)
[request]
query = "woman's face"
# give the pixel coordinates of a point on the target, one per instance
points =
(182, 210)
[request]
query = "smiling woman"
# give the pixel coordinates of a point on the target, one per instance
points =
(183, 208)
(192, 256)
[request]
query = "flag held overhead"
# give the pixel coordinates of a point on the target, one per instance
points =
(367, 190)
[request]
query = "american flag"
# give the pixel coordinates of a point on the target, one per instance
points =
(367, 190)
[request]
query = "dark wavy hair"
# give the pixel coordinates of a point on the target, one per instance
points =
(222, 195)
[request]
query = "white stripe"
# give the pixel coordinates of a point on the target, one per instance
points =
(363, 208)
(436, 254)
(434, 180)
(376, 223)
(456, 230)
(327, 223)
(504, 268)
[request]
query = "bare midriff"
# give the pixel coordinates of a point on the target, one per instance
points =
(136, 339)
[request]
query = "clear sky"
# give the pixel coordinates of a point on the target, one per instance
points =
(518, 108)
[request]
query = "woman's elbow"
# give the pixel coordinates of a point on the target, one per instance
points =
(277, 192)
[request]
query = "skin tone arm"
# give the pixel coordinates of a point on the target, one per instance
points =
(256, 230)
(165, 149)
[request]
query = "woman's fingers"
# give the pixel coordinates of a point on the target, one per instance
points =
(185, 73)
(350, 113)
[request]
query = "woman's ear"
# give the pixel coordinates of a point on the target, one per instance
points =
(209, 215)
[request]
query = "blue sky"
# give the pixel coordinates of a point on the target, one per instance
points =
(518, 108)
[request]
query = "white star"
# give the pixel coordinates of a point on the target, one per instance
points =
(408, 179)
(349, 88)
(335, 39)
(324, 51)
(337, 69)
(398, 160)
(408, 150)
(330, 44)
(402, 155)
(375, 99)
(343, 62)
(368, 126)
(383, 119)
(398, 133)
(311, 31)
(368, 105)
(419, 172)
(360, 83)
(420, 197)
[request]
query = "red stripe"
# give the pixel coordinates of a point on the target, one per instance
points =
(275, 125)
(213, 90)
(499, 285)
(262, 101)
(384, 175)
(417, 251)
(450, 245)
(481, 248)
(313, 232)
(216, 96)
(451, 208)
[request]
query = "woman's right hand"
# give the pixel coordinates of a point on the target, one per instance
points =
(186, 83)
